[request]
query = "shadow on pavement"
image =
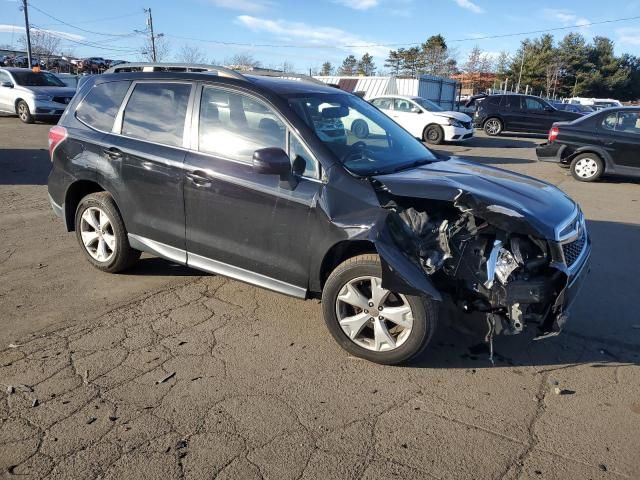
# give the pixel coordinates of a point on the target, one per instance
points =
(24, 166)
(154, 266)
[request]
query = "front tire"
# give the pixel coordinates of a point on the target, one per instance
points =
(587, 167)
(101, 234)
(493, 127)
(24, 114)
(360, 129)
(433, 134)
(373, 323)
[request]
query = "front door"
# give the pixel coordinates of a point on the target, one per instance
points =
(621, 137)
(539, 115)
(239, 222)
(147, 148)
(405, 112)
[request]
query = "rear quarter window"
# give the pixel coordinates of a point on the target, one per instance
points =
(100, 107)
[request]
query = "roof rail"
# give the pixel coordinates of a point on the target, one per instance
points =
(285, 75)
(175, 67)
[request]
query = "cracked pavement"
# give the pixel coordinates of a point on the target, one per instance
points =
(150, 375)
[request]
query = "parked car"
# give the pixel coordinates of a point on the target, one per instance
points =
(69, 79)
(570, 107)
(33, 95)
(420, 117)
(22, 61)
(227, 173)
(517, 113)
(605, 142)
(93, 64)
(113, 63)
(5, 60)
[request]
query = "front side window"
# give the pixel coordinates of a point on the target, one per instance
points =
(100, 107)
(383, 103)
(4, 77)
(533, 104)
(39, 79)
(628, 122)
(361, 137)
(402, 105)
(302, 162)
(156, 112)
(610, 121)
(234, 125)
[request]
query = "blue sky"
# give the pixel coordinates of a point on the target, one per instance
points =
(323, 29)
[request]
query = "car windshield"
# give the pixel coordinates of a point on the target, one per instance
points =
(363, 139)
(428, 105)
(33, 79)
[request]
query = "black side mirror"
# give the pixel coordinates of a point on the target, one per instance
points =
(275, 161)
(7, 84)
(415, 110)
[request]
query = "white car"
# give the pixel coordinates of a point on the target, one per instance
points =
(422, 118)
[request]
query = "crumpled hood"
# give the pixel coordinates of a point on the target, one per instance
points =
(52, 91)
(457, 115)
(508, 200)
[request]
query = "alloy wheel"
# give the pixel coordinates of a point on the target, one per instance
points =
(586, 167)
(492, 127)
(373, 317)
(23, 112)
(97, 234)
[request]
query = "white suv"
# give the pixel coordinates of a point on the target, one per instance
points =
(33, 95)
(424, 119)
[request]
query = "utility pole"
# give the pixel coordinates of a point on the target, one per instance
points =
(524, 51)
(27, 30)
(153, 38)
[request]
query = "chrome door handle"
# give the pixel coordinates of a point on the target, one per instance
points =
(112, 153)
(199, 178)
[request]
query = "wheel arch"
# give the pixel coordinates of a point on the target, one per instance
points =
(338, 253)
(15, 104)
(497, 117)
(76, 192)
(602, 154)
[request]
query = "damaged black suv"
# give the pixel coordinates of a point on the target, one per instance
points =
(260, 179)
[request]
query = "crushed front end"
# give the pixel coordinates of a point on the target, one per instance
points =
(508, 273)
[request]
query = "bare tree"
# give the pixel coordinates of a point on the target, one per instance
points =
(43, 44)
(288, 67)
(242, 61)
(162, 49)
(191, 54)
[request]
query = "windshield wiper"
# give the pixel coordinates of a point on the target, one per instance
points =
(415, 164)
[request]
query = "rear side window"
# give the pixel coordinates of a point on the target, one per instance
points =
(156, 112)
(100, 107)
(383, 103)
(494, 100)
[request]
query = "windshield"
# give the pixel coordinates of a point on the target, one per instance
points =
(363, 139)
(33, 79)
(428, 105)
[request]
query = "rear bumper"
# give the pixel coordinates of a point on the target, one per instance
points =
(57, 209)
(550, 152)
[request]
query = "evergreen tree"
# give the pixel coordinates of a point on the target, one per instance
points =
(348, 66)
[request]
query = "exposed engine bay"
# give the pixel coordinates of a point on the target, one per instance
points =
(506, 275)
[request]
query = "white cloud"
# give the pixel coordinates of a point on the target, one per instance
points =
(312, 35)
(4, 28)
(359, 4)
(469, 5)
(628, 36)
(251, 6)
(565, 17)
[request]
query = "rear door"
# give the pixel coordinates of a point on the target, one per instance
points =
(621, 137)
(146, 152)
(239, 222)
(512, 113)
(6, 93)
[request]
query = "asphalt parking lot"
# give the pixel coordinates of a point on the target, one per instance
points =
(163, 372)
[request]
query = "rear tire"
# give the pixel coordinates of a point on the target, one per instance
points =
(493, 127)
(360, 128)
(365, 332)
(433, 134)
(101, 234)
(587, 167)
(24, 114)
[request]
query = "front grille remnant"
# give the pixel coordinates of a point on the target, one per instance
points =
(572, 250)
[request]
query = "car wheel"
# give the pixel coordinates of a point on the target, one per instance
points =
(433, 134)
(24, 114)
(587, 167)
(371, 322)
(360, 128)
(102, 235)
(493, 127)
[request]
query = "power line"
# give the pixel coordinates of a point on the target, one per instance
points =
(76, 27)
(98, 20)
(368, 45)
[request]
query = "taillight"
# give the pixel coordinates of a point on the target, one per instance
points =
(553, 134)
(56, 135)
